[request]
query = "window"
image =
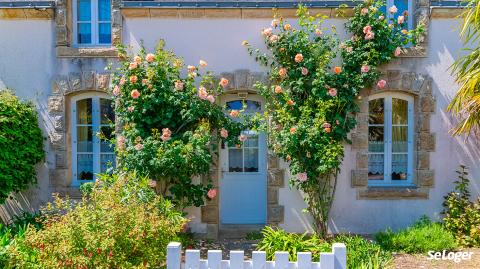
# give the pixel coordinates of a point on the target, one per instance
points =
(402, 6)
(90, 153)
(390, 140)
(92, 23)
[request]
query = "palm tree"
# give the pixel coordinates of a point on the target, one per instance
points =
(465, 106)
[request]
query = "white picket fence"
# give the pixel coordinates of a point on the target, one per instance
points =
(337, 259)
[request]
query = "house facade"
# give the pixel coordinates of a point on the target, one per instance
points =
(401, 161)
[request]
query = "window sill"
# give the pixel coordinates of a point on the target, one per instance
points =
(93, 52)
(419, 51)
(393, 193)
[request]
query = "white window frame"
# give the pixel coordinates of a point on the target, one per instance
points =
(387, 159)
(390, 3)
(96, 125)
(94, 22)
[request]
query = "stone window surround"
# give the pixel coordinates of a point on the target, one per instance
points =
(420, 87)
(64, 33)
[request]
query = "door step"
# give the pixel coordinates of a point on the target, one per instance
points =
(238, 231)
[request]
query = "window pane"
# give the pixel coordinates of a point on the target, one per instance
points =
(251, 160)
(104, 10)
(84, 139)
(399, 111)
(402, 6)
(84, 33)
(252, 141)
(84, 10)
(235, 160)
(250, 106)
(106, 161)
(376, 109)
(104, 33)
(85, 167)
(106, 111)
(399, 166)
(84, 111)
(399, 139)
(375, 139)
(375, 167)
(107, 133)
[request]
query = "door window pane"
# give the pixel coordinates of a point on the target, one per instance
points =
(84, 111)
(84, 139)
(375, 139)
(104, 10)
(399, 139)
(107, 134)
(376, 110)
(104, 33)
(376, 167)
(399, 166)
(107, 114)
(251, 160)
(85, 166)
(84, 10)
(235, 160)
(399, 111)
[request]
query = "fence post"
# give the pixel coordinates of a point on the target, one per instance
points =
(174, 255)
(327, 260)
(214, 259)
(340, 253)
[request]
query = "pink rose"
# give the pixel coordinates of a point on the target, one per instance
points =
(212, 193)
(116, 90)
(211, 99)
(282, 72)
(400, 19)
(332, 92)
(369, 36)
(397, 52)
(298, 58)
(318, 32)
(139, 146)
(304, 71)
(326, 125)
(275, 22)
(122, 80)
(144, 81)
(121, 142)
(135, 94)
(242, 138)
(166, 134)
(273, 38)
(178, 85)
(191, 68)
(365, 68)
(137, 59)
(267, 32)
(133, 79)
(381, 84)
(223, 133)
(223, 82)
(132, 66)
(202, 93)
(131, 108)
(293, 130)
(290, 102)
(393, 9)
(367, 29)
(278, 89)
(203, 63)
(364, 11)
(150, 57)
(302, 177)
(287, 27)
(234, 113)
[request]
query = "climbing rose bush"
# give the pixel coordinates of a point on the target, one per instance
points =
(310, 101)
(171, 122)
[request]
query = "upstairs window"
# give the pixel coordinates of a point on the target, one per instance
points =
(390, 140)
(402, 6)
(92, 24)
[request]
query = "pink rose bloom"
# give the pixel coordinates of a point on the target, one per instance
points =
(369, 36)
(282, 72)
(116, 91)
(137, 59)
(166, 134)
(135, 94)
(365, 68)
(302, 177)
(367, 29)
(381, 17)
(326, 125)
(133, 79)
(242, 138)
(234, 113)
(131, 108)
(381, 84)
(349, 49)
(223, 82)
(364, 11)
(211, 99)
(212, 193)
(298, 58)
(275, 22)
(191, 68)
(139, 146)
(293, 130)
(203, 63)
(122, 80)
(304, 71)
(397, 52)
(202, 93)
(267, 32)
(223, 133)
(278, 89)
(273, 38)
(121, 142)
(332, 92)
(150, 57)
(132, 66)
(178, 85)
(400, 19)
(393, 9)
(287, 27)
(144, 81)
(318, 32)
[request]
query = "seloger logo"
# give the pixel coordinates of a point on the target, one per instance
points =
(453, 256)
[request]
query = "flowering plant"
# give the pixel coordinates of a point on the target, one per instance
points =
(170, 122)
(310, 103)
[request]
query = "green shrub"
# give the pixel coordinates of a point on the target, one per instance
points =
(422, 237)
(363, 253)
(122, 224)
(21, 142)
(461, 216)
